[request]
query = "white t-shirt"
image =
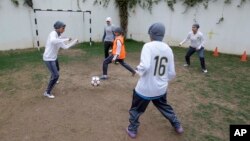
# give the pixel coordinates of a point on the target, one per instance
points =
(196, 40)
(53, 44)
(156, 68)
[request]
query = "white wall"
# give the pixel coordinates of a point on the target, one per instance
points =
(75, 26)
(230, 36)
(17, 28)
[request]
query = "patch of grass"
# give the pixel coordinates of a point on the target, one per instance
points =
(15, 59)
(225, 91)
(97, 48)
(133, 46)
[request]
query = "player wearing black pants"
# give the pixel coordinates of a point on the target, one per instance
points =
(118, 54)
(196, 45)
(156, 69)
(107, 46)
(139, 106)
(108, 60)
(108, 37)
(200, 52)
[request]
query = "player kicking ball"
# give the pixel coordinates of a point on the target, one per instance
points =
(156, 69)
(118, 54)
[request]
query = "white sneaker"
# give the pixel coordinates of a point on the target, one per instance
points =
(104, 77)
(49, 95)
(57, 82)
(204, 70)
(185, 65)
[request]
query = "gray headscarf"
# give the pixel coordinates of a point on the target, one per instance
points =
(196, 25)
(156, 31)
(59, 24)
(118, 30)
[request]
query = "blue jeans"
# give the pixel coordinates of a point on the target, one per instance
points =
(139, 106)
(201, 55)
(54, 70)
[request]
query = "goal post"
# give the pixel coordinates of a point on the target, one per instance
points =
(36, 21)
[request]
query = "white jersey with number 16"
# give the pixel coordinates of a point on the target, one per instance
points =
(156, 68)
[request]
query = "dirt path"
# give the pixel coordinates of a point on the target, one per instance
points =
(81, 112)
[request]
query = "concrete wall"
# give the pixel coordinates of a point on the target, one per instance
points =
(15, 26)
(230, 36)
(17, 29)
(77, 25)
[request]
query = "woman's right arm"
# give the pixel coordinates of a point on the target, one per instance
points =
(104, 34)
(66, 46)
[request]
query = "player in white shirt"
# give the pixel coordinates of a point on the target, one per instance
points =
(53, 44)
(156, 69)
(196, 45)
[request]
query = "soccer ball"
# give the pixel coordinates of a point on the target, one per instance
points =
(95, 81)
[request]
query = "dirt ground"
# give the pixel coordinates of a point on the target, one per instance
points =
(81, 112)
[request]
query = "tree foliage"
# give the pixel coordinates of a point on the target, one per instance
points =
(26, 2)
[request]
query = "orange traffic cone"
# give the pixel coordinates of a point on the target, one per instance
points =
(244, 57)
(216, 53)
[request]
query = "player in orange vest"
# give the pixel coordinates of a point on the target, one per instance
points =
(118, 54)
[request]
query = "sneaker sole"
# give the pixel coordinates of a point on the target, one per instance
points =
(180, 131)
(48, 96)
(129, 134)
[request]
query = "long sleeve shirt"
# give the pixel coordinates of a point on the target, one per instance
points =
(156, 69)
(53, 44)
(108, 33)
(196, 40)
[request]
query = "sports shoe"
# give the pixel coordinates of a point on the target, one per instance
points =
(104, 77)
(179, 130)
(49, 95)
(57, 82)
(204, 70)
(117, 63)
(186, 65)
(131, 134)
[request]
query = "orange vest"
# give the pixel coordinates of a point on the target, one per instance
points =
(122, 54)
